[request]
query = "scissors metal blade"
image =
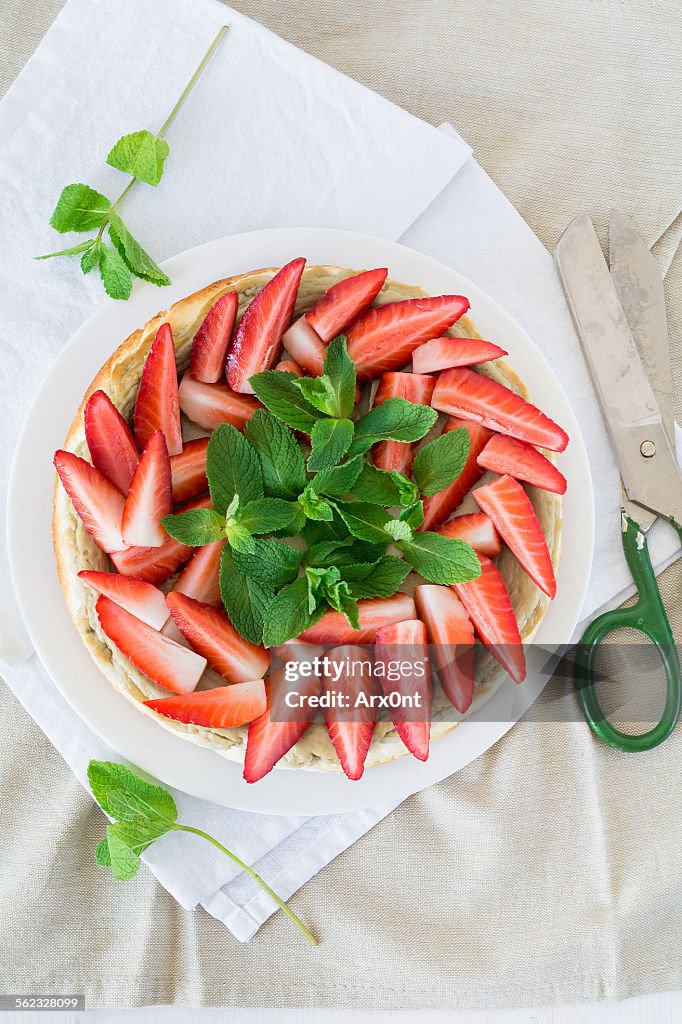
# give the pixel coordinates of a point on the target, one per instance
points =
(638, 281)
(646, 458)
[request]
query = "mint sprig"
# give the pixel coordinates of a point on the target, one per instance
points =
(333, 393)
(359, 523)
(80, 208)
(147, 812)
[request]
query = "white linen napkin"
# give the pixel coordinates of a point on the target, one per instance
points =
(291, 142)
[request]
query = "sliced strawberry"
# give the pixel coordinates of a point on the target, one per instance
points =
(343, 303)
(374, 612)
(290, 366)
(188, 470)
(224, 707)
(452, 634)
(469, 394)
(209, 405)
(112, 446)
(404, 643)
(258, 339)
(386, 336)
(154, 565)
(476, 529)
(212, 340)
(98, 503)
(442, 353)
(350, 726)
(274, 733)
(212, 635)
(523, 462)
(445, 502)
(200, 578)
(307, 338)
(414, 387)
(137, 597)
(149, 498)
(487, 601)
(305, 346)
(510, 508)
(297, 650)
(156, 407)
(166, 663)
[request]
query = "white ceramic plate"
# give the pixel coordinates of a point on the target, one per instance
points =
(138, 738)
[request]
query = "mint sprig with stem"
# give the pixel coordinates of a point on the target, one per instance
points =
(80, 208)
(143, 813)
(360, 524)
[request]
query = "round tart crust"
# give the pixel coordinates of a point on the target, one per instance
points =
(75, 549)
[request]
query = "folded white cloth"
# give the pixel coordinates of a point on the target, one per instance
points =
(270, 138)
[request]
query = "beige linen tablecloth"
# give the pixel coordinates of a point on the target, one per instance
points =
(548, 870)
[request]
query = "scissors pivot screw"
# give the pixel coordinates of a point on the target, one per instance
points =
(648, 449)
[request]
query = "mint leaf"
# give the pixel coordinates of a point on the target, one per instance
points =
(116, 277)
(90, 258)
(325, 552)
(335, 481)
(314, 506)
(270, 562)
(407, 489)
(141, 155)
(398, 529)
(339, 370)
(349, 551)
(413, 515)
(196, 527)
(330, 441)
(315, 531)
(396, 419)
(280, 455)
(364, 520)
(339, 597)
(278, 392)
(359, 551)
(79, 208)
(72, 251)
(296, 525)
(232, 467)
(138, 835)
(441, 559)
(246, 600)
(383, 579)
(241, 539)
(376, 486)
(124, 862)
(441, 461)
(318, 580)
(289, 614)
(102, 855)
(267, 515)
(122, 794)
(320, 393)
(137, 260)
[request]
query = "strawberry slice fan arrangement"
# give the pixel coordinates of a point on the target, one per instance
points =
(314, 479)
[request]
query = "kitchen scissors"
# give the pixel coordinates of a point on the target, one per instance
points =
(619, 314)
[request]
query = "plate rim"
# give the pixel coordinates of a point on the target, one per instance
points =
(407, 775)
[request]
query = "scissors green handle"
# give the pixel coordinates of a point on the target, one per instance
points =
(649, 617)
